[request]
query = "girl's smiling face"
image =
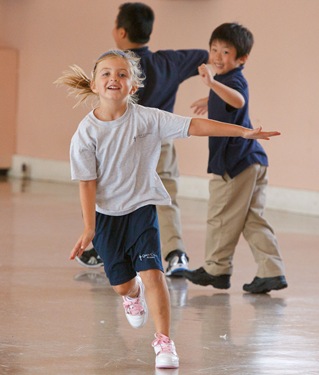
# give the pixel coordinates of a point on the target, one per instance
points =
(112, 79)
(223, 57)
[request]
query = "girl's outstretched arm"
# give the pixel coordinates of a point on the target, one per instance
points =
(204, 127)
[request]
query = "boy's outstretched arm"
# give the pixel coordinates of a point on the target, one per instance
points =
(227, 94)
(204, 127)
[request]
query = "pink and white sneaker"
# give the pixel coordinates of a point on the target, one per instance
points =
(166, 356)
(136, 308)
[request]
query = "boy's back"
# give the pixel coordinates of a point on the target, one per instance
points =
(165, 70)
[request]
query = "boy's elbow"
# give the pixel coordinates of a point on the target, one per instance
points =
(239, 103)
(242, 101)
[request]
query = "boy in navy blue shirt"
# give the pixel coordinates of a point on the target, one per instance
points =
(239, 172)
(164, 71)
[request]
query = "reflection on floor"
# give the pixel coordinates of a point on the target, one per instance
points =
(59, 318)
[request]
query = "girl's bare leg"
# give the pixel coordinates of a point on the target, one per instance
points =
(129, 289)
(158, 299)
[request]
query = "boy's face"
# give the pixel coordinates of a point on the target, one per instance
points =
(222, 57)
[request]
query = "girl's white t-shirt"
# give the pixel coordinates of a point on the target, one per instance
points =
(122, 155)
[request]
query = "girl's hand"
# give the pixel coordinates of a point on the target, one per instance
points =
(259, 134)
(200, 106)
(82, 243)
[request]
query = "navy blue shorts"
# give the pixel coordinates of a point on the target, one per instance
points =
(128, 244)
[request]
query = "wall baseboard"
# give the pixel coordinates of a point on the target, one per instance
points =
(40, 169)
(283, 199)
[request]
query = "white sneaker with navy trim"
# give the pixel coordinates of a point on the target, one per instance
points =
(177, 264)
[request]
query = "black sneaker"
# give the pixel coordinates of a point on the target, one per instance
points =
(177, 263)
(90, 259)
(201, 277)
(265, 284)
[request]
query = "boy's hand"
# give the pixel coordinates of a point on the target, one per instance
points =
(200, 106)
(259, 134)
(206, 74)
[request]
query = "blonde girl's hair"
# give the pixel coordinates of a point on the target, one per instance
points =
(79, 84)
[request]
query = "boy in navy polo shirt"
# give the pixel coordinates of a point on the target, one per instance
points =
(239, 172)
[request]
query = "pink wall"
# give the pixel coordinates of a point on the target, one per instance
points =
(8, 100)
(282, 72)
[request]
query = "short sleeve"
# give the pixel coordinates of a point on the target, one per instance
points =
(82, 159)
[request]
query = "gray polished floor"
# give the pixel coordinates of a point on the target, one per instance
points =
(59, 318)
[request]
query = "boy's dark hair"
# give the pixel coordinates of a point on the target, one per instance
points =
(137, 20)
(237, 35)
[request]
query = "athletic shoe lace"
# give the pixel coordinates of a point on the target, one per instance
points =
(92, 260)
(166, 345)
(133, 306)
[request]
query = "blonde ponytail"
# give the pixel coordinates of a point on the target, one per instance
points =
(79, 84)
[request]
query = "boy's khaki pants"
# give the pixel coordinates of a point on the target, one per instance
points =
(169, 216)
(237, 206)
